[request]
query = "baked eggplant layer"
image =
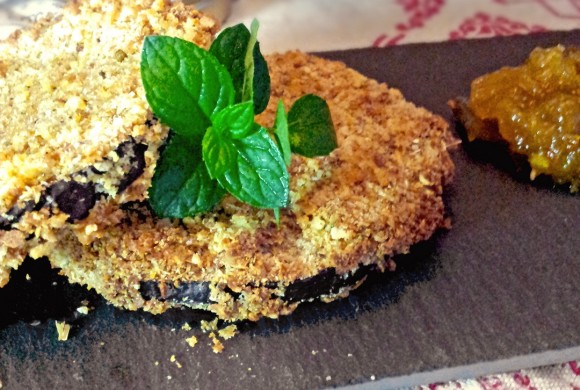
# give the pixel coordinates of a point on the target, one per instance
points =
(78, 195)
(76, 127)
(325, 284)
(375, 196)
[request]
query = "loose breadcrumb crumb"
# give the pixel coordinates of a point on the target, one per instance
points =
(209, 326)
(173, 359)
(217, 346)
(192, 341)
(62, 329)
(83, 310)
(215, 334)
(186, 327)
(228, 332)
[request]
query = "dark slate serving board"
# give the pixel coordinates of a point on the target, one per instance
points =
(501, 286)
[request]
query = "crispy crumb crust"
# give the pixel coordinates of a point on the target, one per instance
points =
(373, 197)
(71, 93)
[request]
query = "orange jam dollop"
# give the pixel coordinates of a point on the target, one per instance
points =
(537, 109)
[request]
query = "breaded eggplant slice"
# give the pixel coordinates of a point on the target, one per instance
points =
(373, 197)
(75, 128)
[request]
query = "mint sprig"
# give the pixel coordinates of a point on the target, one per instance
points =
(209, 99)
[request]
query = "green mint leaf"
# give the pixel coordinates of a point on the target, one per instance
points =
(237, 120)
(219, 153)
(261, 81)
(181, 185)
(231, 49)
(184, 84)
(248, 85)
(281, 133)
(249, 168)
(310, 126)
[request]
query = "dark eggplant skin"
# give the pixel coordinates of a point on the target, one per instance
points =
(327, 282)
(77, 198)
(188, 293)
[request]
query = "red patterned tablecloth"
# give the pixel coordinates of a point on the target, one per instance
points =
(557, 377)
(344, 24)
(318, 25)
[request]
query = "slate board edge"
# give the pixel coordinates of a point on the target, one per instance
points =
(471, 371)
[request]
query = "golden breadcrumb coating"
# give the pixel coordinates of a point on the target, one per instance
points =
(70, 89)
(373, 197)
(72, 86)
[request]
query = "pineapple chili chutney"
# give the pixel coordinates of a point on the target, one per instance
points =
(535, 108)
